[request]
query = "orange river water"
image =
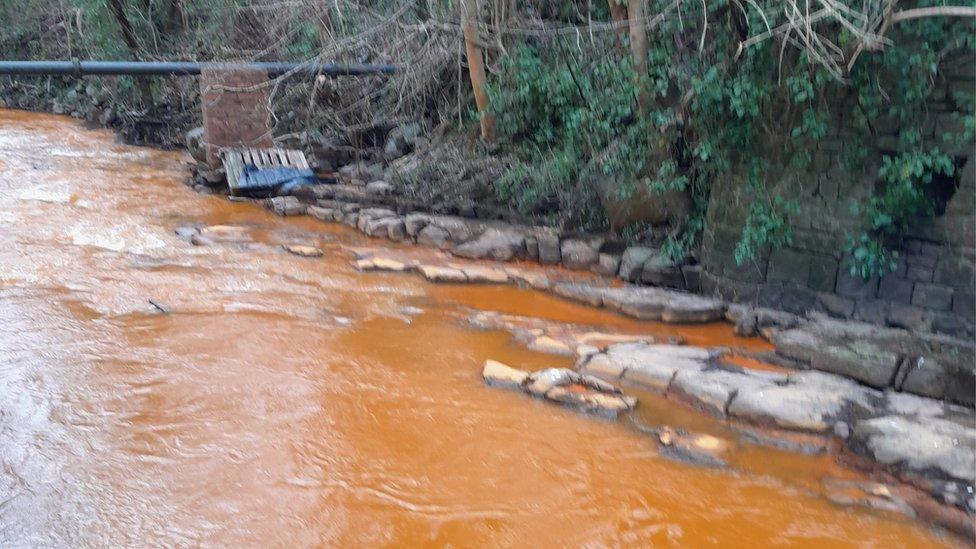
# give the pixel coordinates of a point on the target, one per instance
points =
(287, 401)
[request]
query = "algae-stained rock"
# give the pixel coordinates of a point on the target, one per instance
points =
(497, 374)
(936, 378)
(436, 273)
(304, 251)
(920, 445)
(712, 390)
(497, 244)
(858, 360)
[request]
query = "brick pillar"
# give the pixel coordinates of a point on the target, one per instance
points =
(233, 115)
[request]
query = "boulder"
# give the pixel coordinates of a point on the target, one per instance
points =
(585, 293)
(548, 245)
(497, 244)
(860, 360)
(578, 253)
(632, 262)
(651, 366)
(659, 270)
(607, 265)
(583, 392)
(548, 345)
(483, 275)
(194, 143)
(415, 222)
(434, 237)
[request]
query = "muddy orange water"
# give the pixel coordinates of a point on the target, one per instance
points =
(292, 402)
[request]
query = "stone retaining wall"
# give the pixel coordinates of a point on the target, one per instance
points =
(933, 287)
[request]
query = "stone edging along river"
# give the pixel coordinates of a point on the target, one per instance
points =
(857, 389)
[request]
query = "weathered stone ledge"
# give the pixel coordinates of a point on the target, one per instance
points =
(923, 441)
(923, 364)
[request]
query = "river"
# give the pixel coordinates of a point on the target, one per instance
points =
(287, 401)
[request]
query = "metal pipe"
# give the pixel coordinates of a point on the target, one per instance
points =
(182, 68)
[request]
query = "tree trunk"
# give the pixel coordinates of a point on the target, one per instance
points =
(476, 67)
(618, 16)
(144, 94)
(638, 47)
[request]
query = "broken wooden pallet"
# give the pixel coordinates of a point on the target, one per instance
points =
(234, 161)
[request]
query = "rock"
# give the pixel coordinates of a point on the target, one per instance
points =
(434, 237)
(380, 264)
(607, 265)
(583, 392)
(665, 305)
(483, 275)
(548, 345)
(746, 325)
(535, 280)
(322, 214)
(548, 245)
(578, 253)
(200, 240)
(872, 495)
(304, 251)
(585, 293)
(660, 270)
(905, 404)
(435, 273)
(712, 390)
(226, 233)
(920, 445)
(186, 232)
(632, 262)
(497, 244)
(695, 448)
(379, 188)
(286, 205)
(796, 344)
(497, 374)
(193, 139)
(811, 401)
(415, 222)
(860, 360)
(651, 366)
(939, 378)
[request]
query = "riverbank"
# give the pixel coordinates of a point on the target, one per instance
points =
(233, 391)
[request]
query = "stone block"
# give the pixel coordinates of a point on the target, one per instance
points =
(692, 276)
(893, 288)
(874, 311)
(661, 271)
(633, 261)
(932, 296)
(919, 273)
(956, 271)
(579, 253)
(851, 285)
(608, 264)
(787, 297)
(836, 305)
(964, 305)
(909, 317)
(549, 251)
(823, 273)
(787, 265)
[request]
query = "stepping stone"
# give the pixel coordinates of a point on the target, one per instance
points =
(304, 251)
